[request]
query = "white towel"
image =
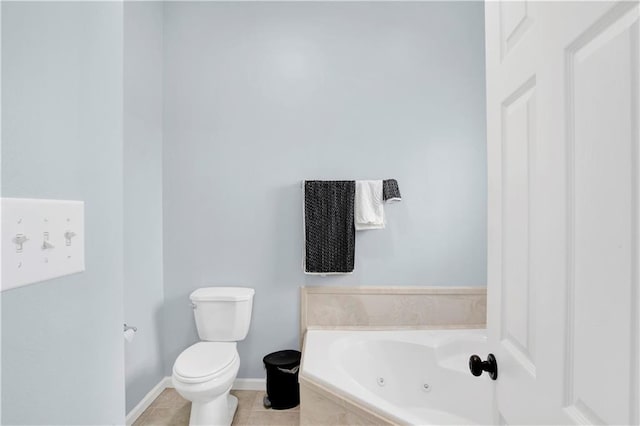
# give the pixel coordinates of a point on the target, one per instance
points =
(369, 205)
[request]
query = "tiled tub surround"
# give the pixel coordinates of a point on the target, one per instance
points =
(378, 308)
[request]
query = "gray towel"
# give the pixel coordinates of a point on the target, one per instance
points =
(329, 231)
(390, 190)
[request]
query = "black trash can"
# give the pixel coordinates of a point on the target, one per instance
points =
(283, 390)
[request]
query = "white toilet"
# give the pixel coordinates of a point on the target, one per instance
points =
(204, 372)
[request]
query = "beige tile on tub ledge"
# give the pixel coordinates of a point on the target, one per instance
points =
(392, 307)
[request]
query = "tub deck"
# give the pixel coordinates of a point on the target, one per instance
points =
(393, 377)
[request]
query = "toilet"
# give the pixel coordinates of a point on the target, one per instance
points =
(204, 372)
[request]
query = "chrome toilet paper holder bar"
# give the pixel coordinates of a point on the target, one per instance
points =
(130, 327)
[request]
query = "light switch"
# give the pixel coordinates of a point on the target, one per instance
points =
(68, 236)
(46, 244)
(41, 239)
(19, 240)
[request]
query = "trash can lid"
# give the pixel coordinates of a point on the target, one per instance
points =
(285, 359)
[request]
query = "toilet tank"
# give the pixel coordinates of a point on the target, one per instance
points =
(222, 314)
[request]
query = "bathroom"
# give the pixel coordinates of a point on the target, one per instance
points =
(187, 129)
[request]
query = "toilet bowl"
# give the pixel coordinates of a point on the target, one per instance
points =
(204, 372)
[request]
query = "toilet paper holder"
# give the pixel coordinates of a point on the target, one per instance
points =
(130, 327)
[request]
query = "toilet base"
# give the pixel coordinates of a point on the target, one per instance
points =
(218, 412)
(232, 407)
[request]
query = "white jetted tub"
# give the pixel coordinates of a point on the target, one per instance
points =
(418, 377)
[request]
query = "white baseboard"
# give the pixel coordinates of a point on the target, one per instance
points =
(250, 384)
(238, 384)
(137, 411)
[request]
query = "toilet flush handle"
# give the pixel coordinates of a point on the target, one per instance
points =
(193, 305)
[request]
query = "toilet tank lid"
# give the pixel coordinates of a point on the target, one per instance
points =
(228, 294)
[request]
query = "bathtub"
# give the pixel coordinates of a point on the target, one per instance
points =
(418, 377)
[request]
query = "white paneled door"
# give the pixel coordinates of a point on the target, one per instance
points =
(564, 194)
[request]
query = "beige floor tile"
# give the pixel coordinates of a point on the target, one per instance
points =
(164, 397)
(274, 418)
(170, 409)
(179, 403)
(258, 404)
(168, 417)
(245, 398)
(169, 398)
(140, 420)
(245, 403)
(241, 418)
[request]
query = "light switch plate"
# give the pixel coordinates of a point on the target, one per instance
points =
(54, 245)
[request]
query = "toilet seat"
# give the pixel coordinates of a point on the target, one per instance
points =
(204, 360)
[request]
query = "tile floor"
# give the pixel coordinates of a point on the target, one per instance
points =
(170, 409)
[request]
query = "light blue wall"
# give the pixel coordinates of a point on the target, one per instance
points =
(259, 96)
(143, 292)
(62, 358)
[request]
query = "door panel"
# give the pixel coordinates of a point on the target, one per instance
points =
(518, 143)
(562, 111)
(516, 17)
(603, 217)
(512, 129)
